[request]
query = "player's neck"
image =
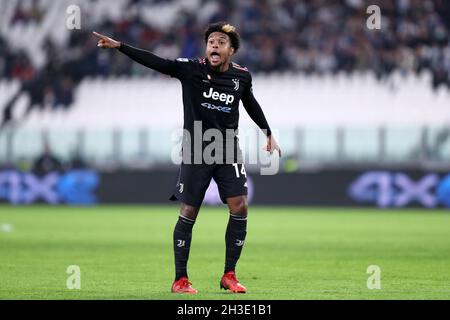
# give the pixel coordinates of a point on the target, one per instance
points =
(222, 67)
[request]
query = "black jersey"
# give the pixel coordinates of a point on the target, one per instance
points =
(210, 100)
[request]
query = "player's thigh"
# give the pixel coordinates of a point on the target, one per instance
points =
(231, 180)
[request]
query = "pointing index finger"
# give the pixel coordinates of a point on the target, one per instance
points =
(100, 35)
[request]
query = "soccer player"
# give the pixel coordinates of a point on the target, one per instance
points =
(212, 88)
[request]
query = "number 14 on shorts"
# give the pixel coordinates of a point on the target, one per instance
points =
(236, 170)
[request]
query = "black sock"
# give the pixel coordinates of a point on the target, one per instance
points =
(234, 240)
(182, 236)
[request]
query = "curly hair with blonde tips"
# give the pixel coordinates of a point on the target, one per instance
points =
(226, 28)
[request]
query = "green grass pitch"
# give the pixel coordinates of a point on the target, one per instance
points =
(125, 252)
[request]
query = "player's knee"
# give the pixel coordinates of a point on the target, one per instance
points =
(239, 206)
(188, 211)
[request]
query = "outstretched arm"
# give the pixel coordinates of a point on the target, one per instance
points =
(257, 115)
(143, 57)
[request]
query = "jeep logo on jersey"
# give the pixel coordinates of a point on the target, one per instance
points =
(227, 98)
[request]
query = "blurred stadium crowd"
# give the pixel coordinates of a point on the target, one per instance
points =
(320, 36)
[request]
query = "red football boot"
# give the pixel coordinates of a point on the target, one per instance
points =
(183, 285)
(229, 282)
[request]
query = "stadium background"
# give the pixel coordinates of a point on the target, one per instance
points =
(362, 117)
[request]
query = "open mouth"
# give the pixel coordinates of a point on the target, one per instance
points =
(215, 57)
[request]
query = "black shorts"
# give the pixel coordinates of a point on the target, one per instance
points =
(193, 181)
